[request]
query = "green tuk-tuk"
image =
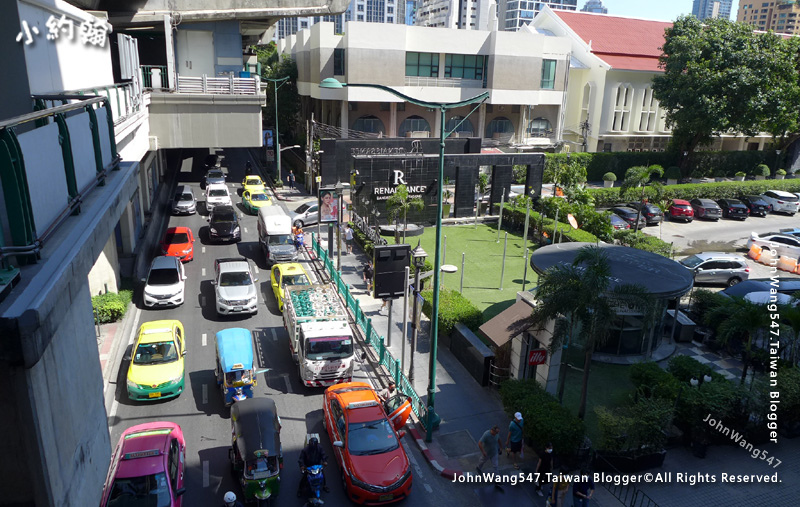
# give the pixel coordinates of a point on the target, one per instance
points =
(255, 453)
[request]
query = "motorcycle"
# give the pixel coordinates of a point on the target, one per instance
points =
(315, 480)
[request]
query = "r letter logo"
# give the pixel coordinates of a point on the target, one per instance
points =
(399, 178)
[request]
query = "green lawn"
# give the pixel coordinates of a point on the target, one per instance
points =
(482, 265)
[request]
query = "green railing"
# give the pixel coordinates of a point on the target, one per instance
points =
(373, 339)
(147, 75)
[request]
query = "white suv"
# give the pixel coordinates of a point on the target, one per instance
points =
(217, 195)
(781, 202)
(235, 287)
(165, 283)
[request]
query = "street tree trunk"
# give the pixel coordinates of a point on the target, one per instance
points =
(587, 363)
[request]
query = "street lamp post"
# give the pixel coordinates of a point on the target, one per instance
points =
(333, 83)
(339, 190)
(282, 82)
(418, 254)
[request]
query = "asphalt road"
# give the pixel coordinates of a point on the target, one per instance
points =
(199, 409)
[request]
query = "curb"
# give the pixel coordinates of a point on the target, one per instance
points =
(447, 473)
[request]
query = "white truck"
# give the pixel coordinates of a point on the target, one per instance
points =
(320, 336)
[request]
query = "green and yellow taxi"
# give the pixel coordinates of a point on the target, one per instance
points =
(156, 370)
(252, 200)
(252, 183)
(290, 273)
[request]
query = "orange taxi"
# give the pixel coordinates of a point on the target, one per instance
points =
(366, 441)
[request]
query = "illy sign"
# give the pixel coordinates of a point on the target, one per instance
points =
(537, 356)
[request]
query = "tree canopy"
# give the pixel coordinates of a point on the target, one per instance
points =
(288, 97)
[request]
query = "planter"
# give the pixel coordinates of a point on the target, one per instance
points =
(719, 180)
(671, 181)
(739, 178)
(627, 462)
(608, 184)
(780, 176)
(446, 210)
(760, 178)
(696, 180)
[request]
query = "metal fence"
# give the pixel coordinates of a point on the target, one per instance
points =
(372, 337)
(628, 494)
(219, 85)
(147, 76)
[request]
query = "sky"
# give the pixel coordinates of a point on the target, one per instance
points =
(661, 10)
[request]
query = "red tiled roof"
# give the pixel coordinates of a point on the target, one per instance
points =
(623, 43)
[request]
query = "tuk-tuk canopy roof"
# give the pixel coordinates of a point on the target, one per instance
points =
(255, 424)
(235, 349)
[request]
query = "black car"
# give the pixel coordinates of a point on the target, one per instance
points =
(652, 213)
(733, 208)
(629, 215)
(223, 224)
(211, 161)
(756, 205)
(706, 208)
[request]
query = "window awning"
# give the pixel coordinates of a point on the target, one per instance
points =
(508, 323)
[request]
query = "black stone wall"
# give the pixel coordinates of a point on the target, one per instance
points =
(466, 179)
(502, 177)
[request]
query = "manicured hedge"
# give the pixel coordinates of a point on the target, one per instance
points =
(111, 306)
(720, 190)
(642, 241)
(453, 307)
(545, 420)
(516, 215)
(653, 381)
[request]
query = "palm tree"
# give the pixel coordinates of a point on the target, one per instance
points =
(738, 319)
(640, 176)
(398, 204)
(577, 295)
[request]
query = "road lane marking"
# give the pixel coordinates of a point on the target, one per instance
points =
(204, 250)
(274, 334)
(205, 394)
(245, 229)
(288, 385)
(205, 474)
(427, 488)
(204, 339)
(203, 272)
(255, 267)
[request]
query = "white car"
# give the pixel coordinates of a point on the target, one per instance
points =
(781, 202)
(235, 287)
(784, 244)
(217, 195)
(165, 283)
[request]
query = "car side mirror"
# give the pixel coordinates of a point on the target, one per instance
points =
(213, 282)
(180, 491)
(208, 219)
(183, 354)
(338, 443)
(401, 433)
(255, 280)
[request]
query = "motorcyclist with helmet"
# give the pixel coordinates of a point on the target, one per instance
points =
(312, 454)
(230, 500)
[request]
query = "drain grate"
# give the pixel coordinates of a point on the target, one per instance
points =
(458, 443)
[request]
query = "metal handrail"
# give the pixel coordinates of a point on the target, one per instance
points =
(52, 111)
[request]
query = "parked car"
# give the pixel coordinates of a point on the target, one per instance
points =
(217, 195)
(734, 208)
(793, 231)
(652, 213)
(706, 208)
(717, 268)
(212, 161)
(781, 202)
(178, 242)
(156, 370)
(184, 202)
(305, 214)
(223, 224)
(235, 287)
(617, 223)
(366, 440)
(756, 204)
(165, 283)
(680, 209)
(215, 177)
(786, 286)
(783, 244)
(629, 215)
(147, 467)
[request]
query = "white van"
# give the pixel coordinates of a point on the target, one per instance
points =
(275, 235)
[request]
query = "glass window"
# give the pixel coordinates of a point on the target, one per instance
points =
(154, 353)
(235, 279)
(548, 74)
(414, 124)
(500, 125)
(422, 64)
(464, 66)
(368, 123)
(163, 277)
(338, 62)
(144, 490)
(540, 127)
(367, 438)
(465, 127)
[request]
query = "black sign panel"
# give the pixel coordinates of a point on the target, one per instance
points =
(390, 263)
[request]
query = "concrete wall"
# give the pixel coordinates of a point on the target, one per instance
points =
(227, 44)
(104, 275)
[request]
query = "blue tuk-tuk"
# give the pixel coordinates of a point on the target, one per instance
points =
(234, 370)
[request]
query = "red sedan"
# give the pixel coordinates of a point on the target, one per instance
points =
(680, 210)
(178, 242)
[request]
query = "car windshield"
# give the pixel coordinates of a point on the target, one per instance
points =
(223, 216)
(184, 197)
(215, 174)
(302, 208)
(235, 279)
(295, 280)
(260, 468)
(163, 277)
(332, 347)
(217, 192)
(280, 239)
(174, 238)
(681, 206)
(259, 197)
(691, 262)
(755, 199)
(155, 353)
(252, 181)
(788, 198)
(146, 491)
(374, 437)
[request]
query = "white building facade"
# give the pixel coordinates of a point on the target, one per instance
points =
(514, 14)
(461, 14)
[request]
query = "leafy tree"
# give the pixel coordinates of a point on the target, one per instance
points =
(641, 176)
(577, 297)
(738, 320)
(565, 173)
(399, 204)
(273, 67)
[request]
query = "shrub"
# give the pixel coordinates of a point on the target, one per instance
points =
(639, 428)
(740, 174)
(762, 170)
(781, 172)
(703, 300)
(673, 173)
(545, 420)
(363, 241)
(653, 381)
(789, 388)
(111, 306)
(719, 398)
(609, 177)
(720, 173)
(278, 183)
(453, 307)
(685, 368)
(642, 241)
(516, 215)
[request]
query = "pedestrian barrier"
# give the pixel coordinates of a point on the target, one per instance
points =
(787, 264)
(372, 337)
(755, 252)
(628, 494)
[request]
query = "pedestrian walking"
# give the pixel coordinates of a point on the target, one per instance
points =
(583, 490)
(489, 445)
(290, 179)
(514, 439)
(544, 467)
(298, 238)
(348, 238)
(369, 272)
(560, 489)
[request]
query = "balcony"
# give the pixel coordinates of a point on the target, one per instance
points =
(444, 82)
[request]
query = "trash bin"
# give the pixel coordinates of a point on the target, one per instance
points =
(244, 74)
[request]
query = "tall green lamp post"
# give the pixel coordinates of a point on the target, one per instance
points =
(332, 83)
(282, 82)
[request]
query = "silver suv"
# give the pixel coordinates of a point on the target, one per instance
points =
(717, 268)
(235, 287)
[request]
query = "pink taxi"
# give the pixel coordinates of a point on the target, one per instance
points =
(147, 467)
